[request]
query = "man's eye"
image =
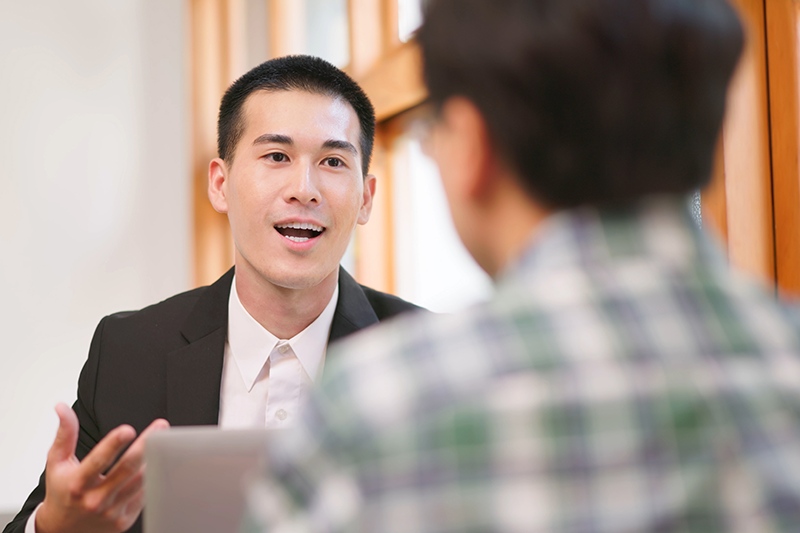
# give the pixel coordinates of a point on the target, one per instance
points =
(277, 157)
(334, 162)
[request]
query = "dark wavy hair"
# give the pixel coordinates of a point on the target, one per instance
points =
(590, 101)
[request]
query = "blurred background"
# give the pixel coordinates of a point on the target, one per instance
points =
(108, 116)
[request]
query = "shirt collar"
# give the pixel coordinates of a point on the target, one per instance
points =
(251, 344)
(655, 228)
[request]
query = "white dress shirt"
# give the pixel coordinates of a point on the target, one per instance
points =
(265, 380)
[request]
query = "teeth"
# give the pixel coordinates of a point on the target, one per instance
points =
(301, 225)
(297, 239)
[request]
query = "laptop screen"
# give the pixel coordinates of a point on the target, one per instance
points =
(197, 476)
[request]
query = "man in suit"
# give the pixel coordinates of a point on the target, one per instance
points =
(622, 378)
(295, 139)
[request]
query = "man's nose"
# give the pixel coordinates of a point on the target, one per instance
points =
(302, 186)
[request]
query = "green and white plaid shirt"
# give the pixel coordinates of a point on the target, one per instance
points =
(621, 380)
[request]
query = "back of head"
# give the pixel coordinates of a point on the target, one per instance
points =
(590, 101)
(293, 73)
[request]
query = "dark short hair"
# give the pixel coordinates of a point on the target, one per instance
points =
(590, 101)
(293, 73)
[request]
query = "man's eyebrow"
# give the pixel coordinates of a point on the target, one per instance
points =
(273, 138)
(342, 145)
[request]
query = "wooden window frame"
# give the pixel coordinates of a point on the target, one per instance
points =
(783, 45)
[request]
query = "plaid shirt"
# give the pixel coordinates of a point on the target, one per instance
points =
(621, 380)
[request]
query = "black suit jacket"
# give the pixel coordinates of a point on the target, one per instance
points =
(165, 361)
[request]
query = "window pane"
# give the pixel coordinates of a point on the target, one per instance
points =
(409, 17)
(432, 267)
(327, 30)
(257, 33)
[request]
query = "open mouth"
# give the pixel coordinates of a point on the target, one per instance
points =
(299, 231)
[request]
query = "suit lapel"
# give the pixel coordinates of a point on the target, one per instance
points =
(194, 372)
(353, 310)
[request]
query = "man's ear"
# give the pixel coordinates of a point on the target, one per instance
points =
(366, 200)
(218, 185)
(471, 147)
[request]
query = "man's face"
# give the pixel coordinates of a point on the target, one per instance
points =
(294, 191)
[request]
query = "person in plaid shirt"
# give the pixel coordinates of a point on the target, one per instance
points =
(622, 379)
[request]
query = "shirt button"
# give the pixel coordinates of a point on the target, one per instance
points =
(281, 414)
(283, 348)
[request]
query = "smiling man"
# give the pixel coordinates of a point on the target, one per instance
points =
(294, 184)
(295, 140)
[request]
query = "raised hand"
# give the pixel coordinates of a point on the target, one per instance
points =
(79, 497)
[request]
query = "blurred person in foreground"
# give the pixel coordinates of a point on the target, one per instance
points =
(622, 379)
(295, 137)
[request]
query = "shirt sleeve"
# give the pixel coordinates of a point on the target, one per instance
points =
(30, 525)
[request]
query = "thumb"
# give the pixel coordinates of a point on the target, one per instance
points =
(67, 436)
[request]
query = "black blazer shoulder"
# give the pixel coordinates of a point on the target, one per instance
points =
(360, 307)
(388, 305)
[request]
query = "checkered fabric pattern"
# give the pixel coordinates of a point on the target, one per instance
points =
(621, 380)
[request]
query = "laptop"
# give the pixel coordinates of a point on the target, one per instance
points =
(196, 478)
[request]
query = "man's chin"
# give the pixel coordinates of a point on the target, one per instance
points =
(286, 273)
(295, 280)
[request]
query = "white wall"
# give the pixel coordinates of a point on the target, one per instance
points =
(94, 196)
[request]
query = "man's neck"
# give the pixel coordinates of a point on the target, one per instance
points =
(509, 219)
(281, 311)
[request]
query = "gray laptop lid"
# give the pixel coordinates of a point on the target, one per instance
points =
(196, 477)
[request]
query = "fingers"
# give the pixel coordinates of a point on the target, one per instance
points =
(137, 448)
(156, 425)
(78, 494)
(136, 451)
(122, 488)
(131, 492)
(131, 510)
(63, 447)
(131, 462)
(103, 455)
